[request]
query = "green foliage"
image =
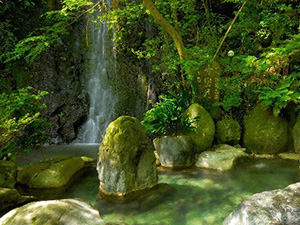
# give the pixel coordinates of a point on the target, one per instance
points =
(21, 126)
(166, 117)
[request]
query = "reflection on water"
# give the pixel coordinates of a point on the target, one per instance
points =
(185, 197)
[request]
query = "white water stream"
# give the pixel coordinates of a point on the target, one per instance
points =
(101, 69)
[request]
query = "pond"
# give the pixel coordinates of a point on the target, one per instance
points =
(191, 196)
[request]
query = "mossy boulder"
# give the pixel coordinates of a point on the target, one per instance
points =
(10, 197)
(228, 131)
(264, 132)
(53, 212)
(175, 151)
(296, 135)
(126, 163)
(8, 173)
(222, 157)
(204, 134)
(215, 113)
(51, 174)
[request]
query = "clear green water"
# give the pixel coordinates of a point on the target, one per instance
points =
(183, 197)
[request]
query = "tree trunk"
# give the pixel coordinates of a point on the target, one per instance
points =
(167, 27)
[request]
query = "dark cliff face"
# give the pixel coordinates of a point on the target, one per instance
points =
(61, 72)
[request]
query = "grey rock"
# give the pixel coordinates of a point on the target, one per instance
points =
(126, 163)
(280, 206)
(175, 151)
(54, 212)
(222, 157)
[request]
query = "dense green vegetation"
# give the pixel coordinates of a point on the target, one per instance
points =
(181, 40)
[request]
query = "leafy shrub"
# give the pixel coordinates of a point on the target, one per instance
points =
(166, 117)
(21, 126)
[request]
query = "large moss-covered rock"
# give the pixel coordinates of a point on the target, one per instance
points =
(204, 134)
(222, 157)
(175, 151)
(265, 133)
(269, 207)
(54, 212)
(296, 135)
(126, 163)
(10, 197)
(228, 131)
(51, 174)
(8, 173)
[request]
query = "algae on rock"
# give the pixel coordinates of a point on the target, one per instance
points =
(51, 174)
(126, 163)
(204, 134)
(265, 133)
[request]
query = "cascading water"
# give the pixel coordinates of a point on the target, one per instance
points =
(102, 76)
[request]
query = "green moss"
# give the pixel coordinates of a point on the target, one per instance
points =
(228, 131)
(205, 128)
(265, 133)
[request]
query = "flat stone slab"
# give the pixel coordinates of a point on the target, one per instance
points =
(280, 206)
(222, 157)
(58, 212)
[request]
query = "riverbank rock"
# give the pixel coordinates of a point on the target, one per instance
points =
(126, 163)
(296, 135)
(280, 206)
(8, 174)
(10, 197)
(223, 157)
(175, 151)
(228, 131)
(53, 173)
(204, 134)
(265, 133)
(58, 212)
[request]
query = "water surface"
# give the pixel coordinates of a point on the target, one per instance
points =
(183, 197)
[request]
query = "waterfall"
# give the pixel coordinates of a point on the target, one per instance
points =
(101, 73)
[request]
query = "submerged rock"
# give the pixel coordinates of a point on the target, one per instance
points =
(228, 131)
(175, 151)
(265, 133)
(51, 174)
(126, 163)
(8, 173)
(10, 197)
(58, 212)
(223, 157)
(280, 206)
(204, 134)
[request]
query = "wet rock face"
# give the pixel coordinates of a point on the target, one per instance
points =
(204, 134)
(265, 133)
(175, 151)
(269, 207)
(8, 174)
(58, 212)
(126, 163)
(61, 72)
